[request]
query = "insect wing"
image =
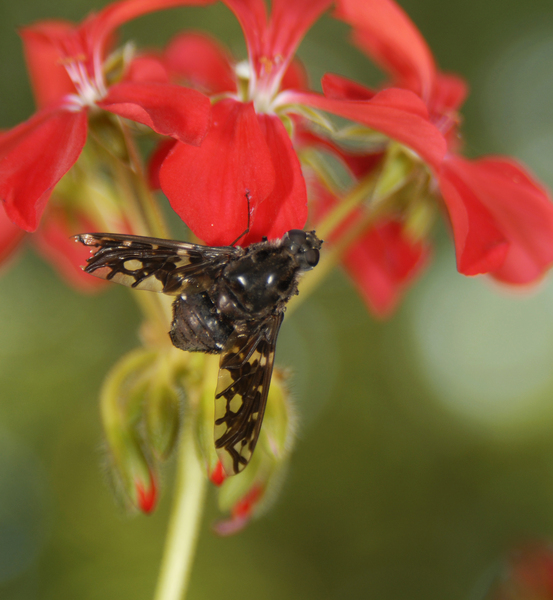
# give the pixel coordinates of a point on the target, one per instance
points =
(153, 264)
(243, 386)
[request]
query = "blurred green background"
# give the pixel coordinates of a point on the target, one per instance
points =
(425, 449)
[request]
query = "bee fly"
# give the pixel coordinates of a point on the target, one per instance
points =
(229, 301)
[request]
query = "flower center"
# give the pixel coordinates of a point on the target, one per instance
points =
(90, 88)
(260, 85)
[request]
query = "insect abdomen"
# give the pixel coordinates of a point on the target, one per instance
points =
(196, 325)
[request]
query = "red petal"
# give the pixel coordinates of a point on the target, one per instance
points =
(295, 77)
(207, 186)
(286, 207)
(252, 15)
(400, 114)
(118, 13)
(381, 28)
(54, 242)
(341, 88)
(274, 43)
(147, 68)
(168, 109)
(480, 245)
(382, 264)
(34, 156)
(450, 92)
(201, 63)
(10, 236)
(289, 24)
(522, 211)
(48, 75)
(156, 160)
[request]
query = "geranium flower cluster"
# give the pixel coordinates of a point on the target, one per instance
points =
(247, 140)
(244, 126)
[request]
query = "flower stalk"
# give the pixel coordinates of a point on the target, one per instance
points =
(184, 522)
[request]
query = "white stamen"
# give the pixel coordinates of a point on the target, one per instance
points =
(243, 70)
(89, 89)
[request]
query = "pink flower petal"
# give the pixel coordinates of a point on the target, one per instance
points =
(387, 34)
(200, 62)
(49, 78)
(383, 264)
(399, 114)
(207, 185)
(521, 209)
(34, 156)
(168, 109)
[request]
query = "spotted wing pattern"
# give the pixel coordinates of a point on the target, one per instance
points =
(243, 386)
(154, 264)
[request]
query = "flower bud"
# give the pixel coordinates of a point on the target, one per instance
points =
(200, 386)
(146, 494)
(134, 399)
(162, 415)
(218, 476)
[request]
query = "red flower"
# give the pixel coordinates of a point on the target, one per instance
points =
(66, 64)
(383, 264)
(502, 219)
(248, 151)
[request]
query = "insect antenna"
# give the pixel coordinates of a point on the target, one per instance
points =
(247, 230)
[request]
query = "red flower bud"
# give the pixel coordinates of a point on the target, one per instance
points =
(217, 476)
(146, 494)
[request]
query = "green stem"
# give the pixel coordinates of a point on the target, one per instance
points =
(343, 209)
(184, 522)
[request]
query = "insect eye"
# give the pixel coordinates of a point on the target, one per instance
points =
(296, 235)
(312, 257)
(294, 239)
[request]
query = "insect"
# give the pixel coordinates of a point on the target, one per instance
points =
(228, 300)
